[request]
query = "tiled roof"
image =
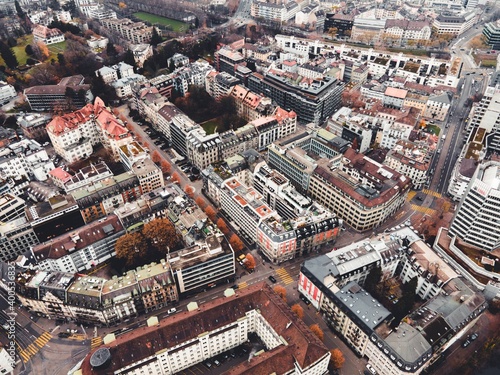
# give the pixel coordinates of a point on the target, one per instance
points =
(303, 348)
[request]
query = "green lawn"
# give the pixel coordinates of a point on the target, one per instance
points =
(210, 126)
(434, 129)
(153, 19)
(22, 42)
(19, 49)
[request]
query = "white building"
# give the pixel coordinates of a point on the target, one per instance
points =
(25, 158)
(476, 217)
(48, 36)
(7, 92)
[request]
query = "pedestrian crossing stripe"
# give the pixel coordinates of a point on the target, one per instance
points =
(95, 342)
(242, 285)
(35, 346)
(424, 210)
(284, 276)
(411, 195)
(433, 193)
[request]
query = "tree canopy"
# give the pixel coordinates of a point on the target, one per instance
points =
(131, 247)
(337, 359)
(161, 234)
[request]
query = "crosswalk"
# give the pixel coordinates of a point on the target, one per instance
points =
(433, 193)
(95, 342)
(411, 195)
(34, 347)
(242, 285)
(424, 210)
(284, 276)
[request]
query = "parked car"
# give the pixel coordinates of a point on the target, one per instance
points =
(217, 363)
(474, 336)
(466, 343)
(172, 310)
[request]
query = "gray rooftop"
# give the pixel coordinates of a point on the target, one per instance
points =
(408, 343)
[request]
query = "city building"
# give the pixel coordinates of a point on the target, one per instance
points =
(101, 198)
(73, 135)
(491, 31)
(26, 158)
(95, 300)
(141, 52)
(87, 175)
(332, 283)
(220, 84)
(227, 60)
(46, 98)
(6, 361)
(454, 24)
(16, 237)
(476, 218)
(313, 100)
(113, 73)
(203, 265)
(274, 12)
(81, 249)
(11, 207)
(412, 159)
(134, 32)
(46, 35)
(150, 175)
(213, 328)
(360, 191)
(33, 125)
(7, 92)
(438, 106)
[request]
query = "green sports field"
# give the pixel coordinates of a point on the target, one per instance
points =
(153, 19)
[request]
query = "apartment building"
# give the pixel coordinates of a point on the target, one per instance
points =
(227, 60)
(491, 31)
(113, 73)
(203, 265)
(33, 125)
(282, 239)
(7, 92)
(73, 135)
(364, 322)
(350, 125)
(244, 207)
(220, 84)
(101, 198)
(11, 207)
(411, 159)
(88, 175)
(95, 300)
(16, 237)
(46, 98)
(360, 191)
(81, 249)
(149, 175)
(213, 328)
(26, 158)
(271, 11)
(134, 32)
(97, 43)
(250, 106)
(47, 36)
(203, 149)
(454, 24)
(313, 100)
(476, 218)
(438, 106)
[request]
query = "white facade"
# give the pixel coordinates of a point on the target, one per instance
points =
(476, 219)
(7, 92)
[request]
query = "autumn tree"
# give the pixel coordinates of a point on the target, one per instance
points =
(236, 243)
(212, 215)
(221, 224)
(280, 291)
(161, 234)
(131, 247)
(298, 310)
(165, 166)
(201, 202)
(315, 328)
(176, 177)
(156, 157)
(336, 359)
(250, 263)
(189, 190)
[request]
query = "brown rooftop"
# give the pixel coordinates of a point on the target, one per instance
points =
(303, 346)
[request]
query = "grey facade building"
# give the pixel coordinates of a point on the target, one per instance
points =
(313, 101)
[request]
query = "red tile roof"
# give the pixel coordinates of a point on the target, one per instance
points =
(303, 348)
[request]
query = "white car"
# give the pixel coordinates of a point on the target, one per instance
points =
(172, 310)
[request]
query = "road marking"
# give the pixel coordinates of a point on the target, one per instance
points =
(242, 285)
(284, 276)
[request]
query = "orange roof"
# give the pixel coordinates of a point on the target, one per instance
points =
(396, 93)
(60, 174)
